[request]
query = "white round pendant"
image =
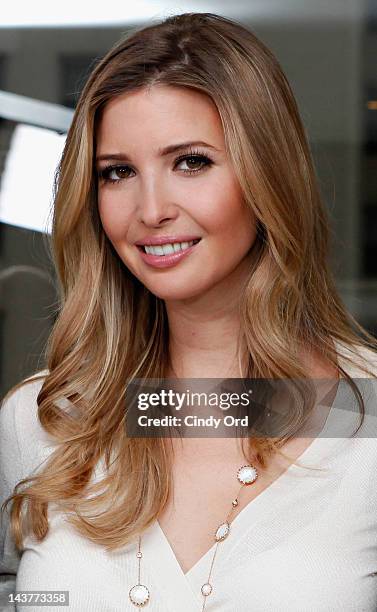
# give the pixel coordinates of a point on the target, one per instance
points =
(139, 595)
(247, 474)
(206, 589)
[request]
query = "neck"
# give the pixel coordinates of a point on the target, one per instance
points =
(203, 342)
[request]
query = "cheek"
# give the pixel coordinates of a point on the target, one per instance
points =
(113, 217)
(227, 215)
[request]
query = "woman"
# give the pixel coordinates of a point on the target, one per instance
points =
(187, 135)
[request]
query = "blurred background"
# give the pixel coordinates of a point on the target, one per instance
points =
(328, 50)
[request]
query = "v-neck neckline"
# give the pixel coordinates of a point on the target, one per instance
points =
(182, 587)
(260, 502)
(161, 557)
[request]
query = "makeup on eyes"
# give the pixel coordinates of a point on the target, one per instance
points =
(199, 156)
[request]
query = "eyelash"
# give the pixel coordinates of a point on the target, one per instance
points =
(104, 173)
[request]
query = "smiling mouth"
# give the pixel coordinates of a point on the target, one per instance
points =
(167, 249)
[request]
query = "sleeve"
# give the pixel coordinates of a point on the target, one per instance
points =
(10, 474)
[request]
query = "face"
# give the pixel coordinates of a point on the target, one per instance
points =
(154, 188)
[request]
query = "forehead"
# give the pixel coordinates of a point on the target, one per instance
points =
(159, 114)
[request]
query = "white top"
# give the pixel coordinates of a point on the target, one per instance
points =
(307, 543)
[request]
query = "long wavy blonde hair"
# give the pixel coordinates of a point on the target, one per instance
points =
(111, 329)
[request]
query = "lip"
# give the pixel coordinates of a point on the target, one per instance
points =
(156, 240)
(166, 261)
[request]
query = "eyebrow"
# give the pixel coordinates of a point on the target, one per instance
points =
(162, 151)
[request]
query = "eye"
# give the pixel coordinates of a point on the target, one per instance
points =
(193, 160)
(114, 174)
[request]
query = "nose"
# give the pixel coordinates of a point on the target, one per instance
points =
(155, 204)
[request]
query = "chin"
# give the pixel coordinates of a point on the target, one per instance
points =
(170, 293)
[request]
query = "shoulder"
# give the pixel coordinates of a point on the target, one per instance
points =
(18, 409)
(22, 438)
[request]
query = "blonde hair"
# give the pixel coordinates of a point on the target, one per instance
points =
(111, 329)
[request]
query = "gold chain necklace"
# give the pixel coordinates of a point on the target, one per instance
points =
(139, 594)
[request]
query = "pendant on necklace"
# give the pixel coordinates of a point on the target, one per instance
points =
(139, 595)
(222, 531)
(206, 589)
(247, 474)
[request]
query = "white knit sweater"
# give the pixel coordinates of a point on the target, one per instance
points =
(307, 543)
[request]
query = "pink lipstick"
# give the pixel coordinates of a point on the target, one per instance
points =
(165, 261)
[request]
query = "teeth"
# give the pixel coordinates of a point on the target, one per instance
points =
(168, 249)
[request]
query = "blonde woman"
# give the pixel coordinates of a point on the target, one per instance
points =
(187, 134)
